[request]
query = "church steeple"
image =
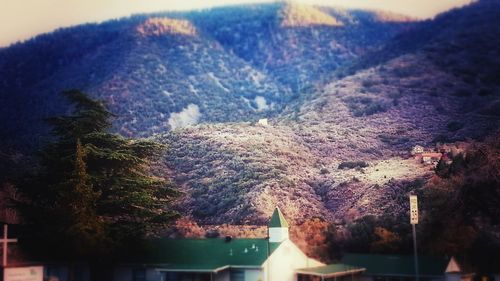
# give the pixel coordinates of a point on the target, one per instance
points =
(278, 227)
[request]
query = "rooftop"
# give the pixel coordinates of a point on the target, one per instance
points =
(331, 270)
(205, 255)
(396, 265)
(277, 219)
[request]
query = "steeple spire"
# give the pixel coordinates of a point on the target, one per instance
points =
(277, 219)
(278, 227)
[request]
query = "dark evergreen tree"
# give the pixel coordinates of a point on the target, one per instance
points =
(93, 189)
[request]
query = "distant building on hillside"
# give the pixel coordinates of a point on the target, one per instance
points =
(431, 158)
(417, 149)
(263, 122)
(275, 258)
(396, 267)
(426, 158)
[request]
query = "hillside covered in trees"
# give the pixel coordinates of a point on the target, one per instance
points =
(163, 71)
(347, 93)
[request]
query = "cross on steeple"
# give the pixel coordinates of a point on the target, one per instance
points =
(5, 240)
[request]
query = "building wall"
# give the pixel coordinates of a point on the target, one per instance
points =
(452, 277)
(122, 274)
(365, 278)
(59, 272)
(153, 275)
(253, 274)
(283, 262)
(65, 272)
(222, 276)
(278, 234)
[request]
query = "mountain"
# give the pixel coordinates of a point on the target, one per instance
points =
(163, 71)
(343, 152)
(299, 44)
(348, 94)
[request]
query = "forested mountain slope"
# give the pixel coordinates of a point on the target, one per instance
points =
(369, 121)
(163, 71)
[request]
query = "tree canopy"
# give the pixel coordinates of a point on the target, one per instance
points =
(93, 190)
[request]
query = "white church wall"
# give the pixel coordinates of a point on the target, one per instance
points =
(253, 274)
(285, 260)
(278, 234)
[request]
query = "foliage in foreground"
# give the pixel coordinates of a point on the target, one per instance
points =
(92, 190)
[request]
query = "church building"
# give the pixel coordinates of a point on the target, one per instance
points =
(275, 258)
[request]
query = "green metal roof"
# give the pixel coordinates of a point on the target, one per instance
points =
(331, 270)
(207, 255)
(277, 219)
(395, 265)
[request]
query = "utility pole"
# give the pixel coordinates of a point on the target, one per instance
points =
(5, 240)
(414, 222)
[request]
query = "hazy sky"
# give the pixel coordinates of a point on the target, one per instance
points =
(22, 19)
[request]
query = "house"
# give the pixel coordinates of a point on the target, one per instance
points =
(431, 158)
(427, 158)
(402, 268)
(274, 258)
(417, 149)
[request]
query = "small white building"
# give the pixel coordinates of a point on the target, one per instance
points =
(263, 122)
(417, 149)
(274, 258)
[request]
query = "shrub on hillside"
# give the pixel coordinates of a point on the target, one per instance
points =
(403, 72)
(393, 139)
(365, 106)
(454, 126)
(352, 165)
(369, 83)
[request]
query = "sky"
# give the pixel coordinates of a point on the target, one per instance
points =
(22, 19)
